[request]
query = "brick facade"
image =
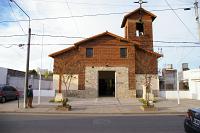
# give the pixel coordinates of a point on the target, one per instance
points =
(106, 54)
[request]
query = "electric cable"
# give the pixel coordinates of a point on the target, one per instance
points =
(80, 16)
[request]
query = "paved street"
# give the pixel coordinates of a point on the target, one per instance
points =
(19, 123)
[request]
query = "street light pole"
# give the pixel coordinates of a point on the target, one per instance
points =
(196, 7)
(177, 83)
(28, 55)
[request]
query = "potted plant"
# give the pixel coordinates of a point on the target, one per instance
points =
(148, 105)
(65, 106)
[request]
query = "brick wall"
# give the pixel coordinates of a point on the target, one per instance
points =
(145, 63)
(106, 52)
(146, 41)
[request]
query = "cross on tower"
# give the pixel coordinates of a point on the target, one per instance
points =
(141, 2)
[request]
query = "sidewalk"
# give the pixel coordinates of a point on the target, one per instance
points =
(100, 106)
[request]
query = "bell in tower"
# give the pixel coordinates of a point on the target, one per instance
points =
(138, 27)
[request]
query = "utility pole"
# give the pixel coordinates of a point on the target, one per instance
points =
(28, 55)
(40, 70)
(196, 8)
(177, 85)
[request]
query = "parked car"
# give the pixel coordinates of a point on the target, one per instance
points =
(8, 93)
(192, 121)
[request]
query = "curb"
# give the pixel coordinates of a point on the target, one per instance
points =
(91, 113)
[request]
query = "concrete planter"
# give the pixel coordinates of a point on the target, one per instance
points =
(61, 108)
(148, 108)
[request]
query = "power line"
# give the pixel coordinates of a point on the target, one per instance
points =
(181, 42)
(48, 44)
(75, 37)
(70, 11)
(171, 46)
(80, 16)
(186, 28)
(102, 4)
(55, 36)
(180, 19)
(59, 36)
(15, 17)
(6, 46)
(12, 35)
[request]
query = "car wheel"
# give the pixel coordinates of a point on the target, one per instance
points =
(187, 129)
(3, 100)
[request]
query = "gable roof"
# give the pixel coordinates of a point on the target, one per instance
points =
(85, 40)
(99, 35)
(149, 51)
(62, 51)
(135, 11)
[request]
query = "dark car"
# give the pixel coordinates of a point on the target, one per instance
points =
(192, 121)
(8, 93)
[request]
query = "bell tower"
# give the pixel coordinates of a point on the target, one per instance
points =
(138, 26)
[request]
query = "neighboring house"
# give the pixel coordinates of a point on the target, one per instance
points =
(3, 76)
(168, 79)
(16, 78)
(189, 81)
(189, 84)
(110, 65)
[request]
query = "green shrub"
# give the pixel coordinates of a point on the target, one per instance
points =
(52, 100)
(143, 101)
(64, 102)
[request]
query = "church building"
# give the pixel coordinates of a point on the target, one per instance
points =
(108, 65)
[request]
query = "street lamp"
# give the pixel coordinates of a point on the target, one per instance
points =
(28, 55)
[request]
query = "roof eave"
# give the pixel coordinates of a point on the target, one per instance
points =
(53, 55)
(127, 15)
(150, 52)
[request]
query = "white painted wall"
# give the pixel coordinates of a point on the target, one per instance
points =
(73, 83)
(55, 81)
(3, 75)
(45, 93)
(193, 78)
(198, 90)
(174, 94)
(18, 82)
(190, 74)
(45, 84)
(140, 81)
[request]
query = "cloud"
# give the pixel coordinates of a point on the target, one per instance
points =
(166, 27)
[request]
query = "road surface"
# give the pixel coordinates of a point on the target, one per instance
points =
(27, 123)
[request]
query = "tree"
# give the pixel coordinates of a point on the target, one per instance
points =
(146, 64)
(46, 74)
(67, 68)
(33, 72)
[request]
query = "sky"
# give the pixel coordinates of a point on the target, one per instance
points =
(91, 18)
